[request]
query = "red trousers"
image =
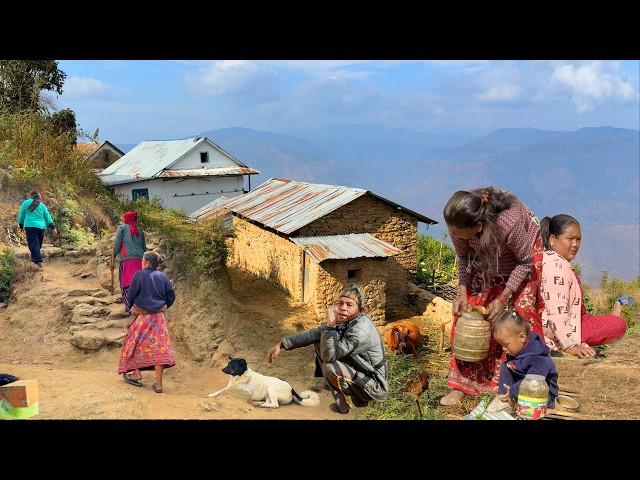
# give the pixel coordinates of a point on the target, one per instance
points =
(601, 329)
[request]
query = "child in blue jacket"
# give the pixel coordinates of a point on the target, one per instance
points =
(526, 354)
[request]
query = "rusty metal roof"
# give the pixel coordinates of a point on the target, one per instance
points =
(354, 245)
(208, 172)
(286, 206)
(211, 210)
(87, 148)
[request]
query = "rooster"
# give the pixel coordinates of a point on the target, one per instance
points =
(417, 387)
(404, 337)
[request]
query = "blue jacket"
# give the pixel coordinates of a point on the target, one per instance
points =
(39, 218)
(151, 290)
(534, 358)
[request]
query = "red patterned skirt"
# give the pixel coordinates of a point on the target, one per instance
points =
(147, 344)
(478, 378)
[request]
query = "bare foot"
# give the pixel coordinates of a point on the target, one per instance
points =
(452, 398)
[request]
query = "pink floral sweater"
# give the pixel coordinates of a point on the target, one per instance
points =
(562, 294)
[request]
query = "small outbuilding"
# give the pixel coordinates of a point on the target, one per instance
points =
(313, 239)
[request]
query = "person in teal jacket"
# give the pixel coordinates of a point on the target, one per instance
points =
(34, 218)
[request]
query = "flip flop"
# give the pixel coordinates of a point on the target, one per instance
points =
(156, 389)
(132, 381)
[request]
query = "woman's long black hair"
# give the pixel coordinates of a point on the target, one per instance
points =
(466, 209)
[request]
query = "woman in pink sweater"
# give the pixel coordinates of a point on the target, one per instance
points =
(566, 324)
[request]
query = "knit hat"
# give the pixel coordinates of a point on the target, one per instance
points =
(352, 291)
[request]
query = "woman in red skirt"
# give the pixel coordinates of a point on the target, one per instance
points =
(499, 253)
(147, 345)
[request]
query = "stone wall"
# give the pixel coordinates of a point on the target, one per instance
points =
(268, 255)
(331, 278)
(370, 215)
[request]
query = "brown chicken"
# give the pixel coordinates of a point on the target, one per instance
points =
(417, 387)
(403, 337)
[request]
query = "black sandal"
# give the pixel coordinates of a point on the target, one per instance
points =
(132, 381)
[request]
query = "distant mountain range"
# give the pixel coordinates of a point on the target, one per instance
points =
(591, 173)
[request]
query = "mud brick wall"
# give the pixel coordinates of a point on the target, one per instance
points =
(370, 215)
(332, 278)
(268, 255)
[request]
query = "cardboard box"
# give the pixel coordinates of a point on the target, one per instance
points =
(21, 393)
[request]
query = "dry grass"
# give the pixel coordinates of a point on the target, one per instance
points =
(608, 388)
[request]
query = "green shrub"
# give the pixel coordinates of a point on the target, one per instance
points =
(198, 248)
(604, 296)
(7, 272)
(400, 405)
(436, 260)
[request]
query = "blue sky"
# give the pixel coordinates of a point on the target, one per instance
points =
(131, 101)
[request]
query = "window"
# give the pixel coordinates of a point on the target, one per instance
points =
(204, 157)
(353, 275)
(139, 192)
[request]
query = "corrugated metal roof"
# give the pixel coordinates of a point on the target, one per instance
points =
(208, 172)
(287, 206)
(203, 212)
(150, 159)
(354, 245)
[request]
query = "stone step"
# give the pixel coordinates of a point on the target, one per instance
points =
(93, 339)
(122, 323)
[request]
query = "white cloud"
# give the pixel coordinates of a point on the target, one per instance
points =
(590, 85)
(501, 93)
(83, 87)
(231, 77)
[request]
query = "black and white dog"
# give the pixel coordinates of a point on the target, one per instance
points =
(269, 392)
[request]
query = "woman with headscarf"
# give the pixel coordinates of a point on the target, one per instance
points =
(349, 352)
(130, 245)
(34, 218)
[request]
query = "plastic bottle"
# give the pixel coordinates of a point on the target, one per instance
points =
(533, 397)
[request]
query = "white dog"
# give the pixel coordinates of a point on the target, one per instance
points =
(269, 392)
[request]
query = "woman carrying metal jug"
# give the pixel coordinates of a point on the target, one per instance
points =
(499, 252)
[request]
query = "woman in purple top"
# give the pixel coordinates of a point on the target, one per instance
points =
(147, 345)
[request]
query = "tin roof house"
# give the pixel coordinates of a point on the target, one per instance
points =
(183, 174)
(99, 155)
(312, 240)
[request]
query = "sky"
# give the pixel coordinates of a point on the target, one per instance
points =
(131, 100)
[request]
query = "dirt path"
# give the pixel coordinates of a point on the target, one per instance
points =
(74, 384)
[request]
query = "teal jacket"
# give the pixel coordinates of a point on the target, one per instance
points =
(133, 246)
(39, 218)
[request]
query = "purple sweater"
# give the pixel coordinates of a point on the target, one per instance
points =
(151, 290)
